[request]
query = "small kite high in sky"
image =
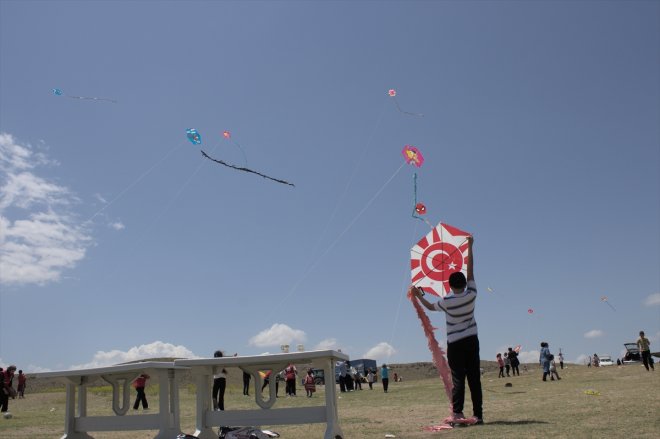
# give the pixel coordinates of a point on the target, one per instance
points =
(59, 92)
(227, 135)
(604, 299)
(194, 137)
(418, 208)
(435, 257)
(413, 156)
(392, 93)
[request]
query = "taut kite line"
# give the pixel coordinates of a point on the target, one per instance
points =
(239, 168)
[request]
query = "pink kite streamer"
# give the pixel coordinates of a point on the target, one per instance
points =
(436, 351)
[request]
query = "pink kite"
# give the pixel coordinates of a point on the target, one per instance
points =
(517, 349)
(391, 92)
(413, 156)
(436, 256)
(530, 311)
(226, 134)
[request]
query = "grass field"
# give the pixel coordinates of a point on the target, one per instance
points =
(628, 405)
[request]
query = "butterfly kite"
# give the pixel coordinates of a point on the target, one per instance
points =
(196, 139)
(392, 93)
(59, 92)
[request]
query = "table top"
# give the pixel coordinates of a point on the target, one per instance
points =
(256, 360)
(97, 371)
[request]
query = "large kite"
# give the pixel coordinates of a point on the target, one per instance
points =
(436, 256)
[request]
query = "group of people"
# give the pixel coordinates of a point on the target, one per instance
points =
(8, 391)
(508, 362)
(351, 379)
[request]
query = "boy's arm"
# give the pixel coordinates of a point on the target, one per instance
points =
(418, 293)
(470, 261)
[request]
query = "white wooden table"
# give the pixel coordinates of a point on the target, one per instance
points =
(202, 371)
(76, 422)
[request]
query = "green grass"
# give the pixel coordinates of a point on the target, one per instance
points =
(628, 404)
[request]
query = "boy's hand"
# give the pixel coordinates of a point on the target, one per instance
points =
(414, 291)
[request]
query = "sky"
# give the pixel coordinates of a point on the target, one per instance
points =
(119, 241)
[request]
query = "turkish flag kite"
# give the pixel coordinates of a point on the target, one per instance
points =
(436, 256)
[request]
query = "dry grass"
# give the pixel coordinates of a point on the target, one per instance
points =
(628, 404)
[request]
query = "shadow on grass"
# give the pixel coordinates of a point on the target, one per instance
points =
(525, 422)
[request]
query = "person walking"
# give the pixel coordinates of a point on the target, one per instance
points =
(385, 377)
(139, 384)
(310, 385)
(560, 357)
(644, 346)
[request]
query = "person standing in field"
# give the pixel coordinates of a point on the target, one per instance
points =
(560, 357)
(385, 377)
(500, 362)
(507, 363)
(553, 370)
(219, 385)
(290, 374)
(22, 380)
(370, 379)
(544, 360)
(513, 357)
(6, 377)
(310, 385)
(246, 383)
(139, 384)
(644, 346)
(462, 337)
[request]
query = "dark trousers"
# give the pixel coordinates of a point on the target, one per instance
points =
(501, 375)
(219, 385)
(4, 401)
(514, 370)
(561, 364)
(291, 387)
(386, 383)
(646, 359)
(371, 386)
(141, 397)
(342, 383)
(246, 383)
(507, 369)
(463, 358)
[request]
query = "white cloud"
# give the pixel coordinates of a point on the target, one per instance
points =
(652, 300)
(277, 335)
(39, 236)
(381, 351)
(157, 349)
(117, 225)
(529, 356)
(327, 344)
(594, 333)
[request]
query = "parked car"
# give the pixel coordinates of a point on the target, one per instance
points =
(606, 360)
(632, 354)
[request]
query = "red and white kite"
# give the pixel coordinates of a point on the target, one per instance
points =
(436, 256)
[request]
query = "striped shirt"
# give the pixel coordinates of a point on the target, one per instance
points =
(459, 309)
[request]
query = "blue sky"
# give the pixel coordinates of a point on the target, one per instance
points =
(120, 241)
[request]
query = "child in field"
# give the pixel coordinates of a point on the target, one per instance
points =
(553, 370)
(500, 363)
(310, 386)
(139, 384)
(507, 363)
(462, 338)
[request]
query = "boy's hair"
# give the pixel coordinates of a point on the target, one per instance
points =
(457, 280)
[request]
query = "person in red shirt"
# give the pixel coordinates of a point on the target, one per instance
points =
(21, 384)
(290, 374)
(140, 383)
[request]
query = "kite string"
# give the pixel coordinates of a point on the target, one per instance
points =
(132, 184)
(357, 165)
(328, 249)
(403, 286)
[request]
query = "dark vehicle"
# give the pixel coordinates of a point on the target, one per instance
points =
(632, 354)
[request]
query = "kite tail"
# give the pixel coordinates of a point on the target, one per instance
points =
(436, 351)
